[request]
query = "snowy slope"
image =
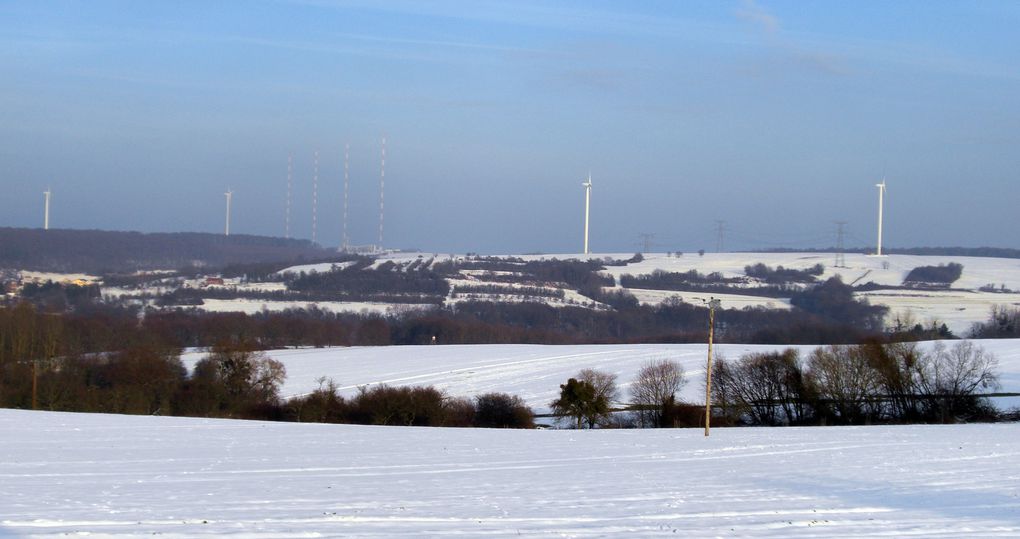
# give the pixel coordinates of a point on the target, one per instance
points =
(533, 372)
(122, 476)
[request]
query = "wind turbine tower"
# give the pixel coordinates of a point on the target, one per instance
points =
(587, 205)
(881, 204)
(229, 194)
(382, 191)
(46, 209)
(345, 242)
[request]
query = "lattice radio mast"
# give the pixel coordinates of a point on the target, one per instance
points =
(290, 183)
(382, 190)
(345, 241)
(315, 194)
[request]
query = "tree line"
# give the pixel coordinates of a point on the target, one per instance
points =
(117, 365)
(835, 385)
(99, 251)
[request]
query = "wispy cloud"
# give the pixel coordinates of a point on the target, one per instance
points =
(750, 11)
(788, 51)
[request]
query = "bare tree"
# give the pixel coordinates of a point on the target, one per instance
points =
(948, 378)
(896, 365)
(845, 383)
(654, 391)
(763, 388)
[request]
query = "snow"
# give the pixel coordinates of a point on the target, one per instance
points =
(42, 277)
(532, 372)
(324, 267)
(731, 301)
(253, 306)
(131, 476)
(959, 309)
(886, 270)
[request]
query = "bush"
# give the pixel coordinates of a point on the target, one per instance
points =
(406, 406)
(781, 275)
(324, 405)
(501, 410)
(941, 275)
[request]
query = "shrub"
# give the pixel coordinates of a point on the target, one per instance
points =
(501, 410)
(407, 406)
(324, 405)
(942, 275)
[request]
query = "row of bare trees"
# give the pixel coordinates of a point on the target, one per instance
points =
(874, 382)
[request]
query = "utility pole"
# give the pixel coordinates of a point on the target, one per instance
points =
(840, 256)
(713, 304)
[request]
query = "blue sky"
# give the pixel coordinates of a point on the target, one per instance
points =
(775, 117)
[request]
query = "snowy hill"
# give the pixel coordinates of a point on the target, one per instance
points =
(131, 476)
(959, 307)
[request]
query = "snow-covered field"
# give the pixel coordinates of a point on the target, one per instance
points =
(533, 372)
(253, 306)
(118, 476)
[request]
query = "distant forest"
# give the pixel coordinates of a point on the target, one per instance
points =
(100, 251)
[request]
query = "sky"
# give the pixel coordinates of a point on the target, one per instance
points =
(768, 120)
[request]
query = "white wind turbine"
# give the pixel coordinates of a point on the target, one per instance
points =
(46, 209)
(881, 204)
(228, 194)
(587, 205)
